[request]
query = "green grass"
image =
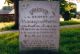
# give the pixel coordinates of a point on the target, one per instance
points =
(62, 23)
(9, 43)
(69, 42)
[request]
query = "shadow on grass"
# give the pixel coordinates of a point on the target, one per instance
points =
(38, 51)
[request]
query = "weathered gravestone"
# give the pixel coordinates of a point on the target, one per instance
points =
(39, 24)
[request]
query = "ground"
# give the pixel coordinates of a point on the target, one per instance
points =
(69, 39)
(69, 42)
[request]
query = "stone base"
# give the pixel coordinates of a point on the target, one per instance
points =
(38, 51)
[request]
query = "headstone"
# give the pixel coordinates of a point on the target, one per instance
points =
(39, 24)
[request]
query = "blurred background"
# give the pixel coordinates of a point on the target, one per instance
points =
(69, 11)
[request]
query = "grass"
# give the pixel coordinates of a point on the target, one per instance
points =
(69, 42)
(9, 43)
(62, 23)
(11, 27)
(6, 26)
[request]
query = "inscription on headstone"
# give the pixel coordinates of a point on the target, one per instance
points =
(39, 24)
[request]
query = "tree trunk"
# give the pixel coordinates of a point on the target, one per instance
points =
(16, 7)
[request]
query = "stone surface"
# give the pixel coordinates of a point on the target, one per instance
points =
(39, 24)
